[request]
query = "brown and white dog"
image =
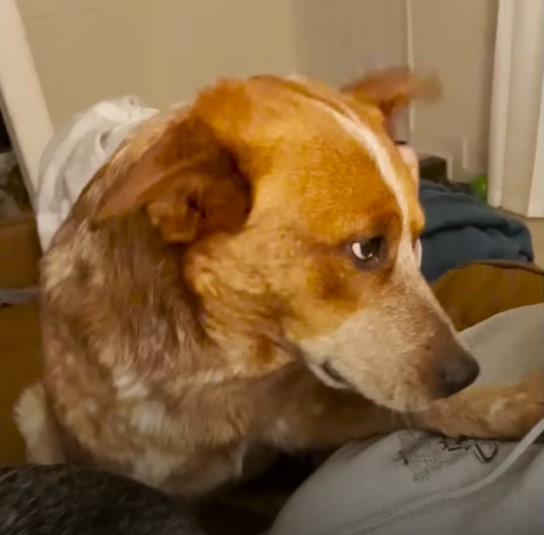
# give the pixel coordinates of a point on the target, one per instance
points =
(242, 272)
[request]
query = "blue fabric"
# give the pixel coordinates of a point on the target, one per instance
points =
(462, 229)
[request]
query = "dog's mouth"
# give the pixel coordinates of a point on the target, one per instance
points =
(328, 374)
(334, 375)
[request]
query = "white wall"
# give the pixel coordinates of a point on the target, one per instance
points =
(88, 49)
(338, 41)
(160, 50)
(197, 41)
(456, 39)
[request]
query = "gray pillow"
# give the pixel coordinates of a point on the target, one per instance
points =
(413, 483)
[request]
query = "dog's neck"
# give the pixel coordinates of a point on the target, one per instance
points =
(213, 332)
(249, 336)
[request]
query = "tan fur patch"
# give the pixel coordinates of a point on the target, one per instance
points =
(34, 422)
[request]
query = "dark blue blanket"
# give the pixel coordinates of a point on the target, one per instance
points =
(461, 229)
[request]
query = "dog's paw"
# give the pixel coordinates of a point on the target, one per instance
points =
(516, 410)
(505, 412)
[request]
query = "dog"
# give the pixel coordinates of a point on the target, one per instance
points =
(244, 272)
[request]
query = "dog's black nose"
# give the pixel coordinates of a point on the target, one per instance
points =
(458, 373)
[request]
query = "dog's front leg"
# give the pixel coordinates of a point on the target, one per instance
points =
(487, 411)
(309, 415)
(312, 415)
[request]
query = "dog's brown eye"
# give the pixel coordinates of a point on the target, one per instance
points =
(366, 251)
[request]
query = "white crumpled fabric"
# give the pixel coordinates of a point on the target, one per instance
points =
(76, 152)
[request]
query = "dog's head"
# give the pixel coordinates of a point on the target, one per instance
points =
(299, 220)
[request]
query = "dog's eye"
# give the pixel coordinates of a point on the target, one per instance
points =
(366, 251)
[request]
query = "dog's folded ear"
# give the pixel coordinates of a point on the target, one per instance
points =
(176, 169)
(393, 89)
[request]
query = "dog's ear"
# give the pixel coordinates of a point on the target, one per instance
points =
(393, 89)
(175, 168)
(377, 96)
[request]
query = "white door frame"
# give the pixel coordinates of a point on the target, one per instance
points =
(21, 99)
